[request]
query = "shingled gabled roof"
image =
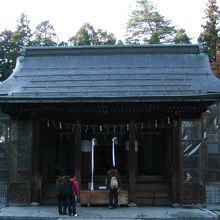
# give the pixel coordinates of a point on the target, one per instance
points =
(116, 73)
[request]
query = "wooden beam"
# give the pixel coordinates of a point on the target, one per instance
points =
(132, 162)
(218, 124)
(77, 152)
(174, 177)
(177, 159)
(35, 180)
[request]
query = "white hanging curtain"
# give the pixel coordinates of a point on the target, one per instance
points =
(86, 146)
(114, 139)
(92, 162)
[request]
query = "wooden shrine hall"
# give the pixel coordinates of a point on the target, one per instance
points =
(161, 103)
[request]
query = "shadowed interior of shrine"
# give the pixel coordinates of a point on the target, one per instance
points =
(152, 154)
(158, 151)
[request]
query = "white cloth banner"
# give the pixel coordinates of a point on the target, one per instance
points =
(113, 150)
(92, 162)
(86, 146)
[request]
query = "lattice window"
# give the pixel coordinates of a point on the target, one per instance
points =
(192, 151)
(212, 154)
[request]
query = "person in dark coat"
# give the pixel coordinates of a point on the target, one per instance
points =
(113, 186)
(68, 194)
(59, 191)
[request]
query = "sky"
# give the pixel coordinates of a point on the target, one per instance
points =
(67, 16)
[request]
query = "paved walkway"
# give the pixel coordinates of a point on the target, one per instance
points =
(91, 213)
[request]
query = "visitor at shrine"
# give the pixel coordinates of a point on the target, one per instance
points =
(75, 195)
(59, 191)
(113, 186)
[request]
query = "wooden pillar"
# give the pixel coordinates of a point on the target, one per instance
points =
(77, 152)
(132, 162)
(35, 180)
(218, 123)
(202, 158)
(177, 158)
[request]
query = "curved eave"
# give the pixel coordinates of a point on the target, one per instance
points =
(197, 98)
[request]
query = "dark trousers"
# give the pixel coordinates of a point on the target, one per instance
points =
(113, 198)
(73, 204)
(62, 204)
(69, 204)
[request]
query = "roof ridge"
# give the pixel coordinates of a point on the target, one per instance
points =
(112, 49)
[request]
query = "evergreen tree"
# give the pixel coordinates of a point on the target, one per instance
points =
(84, 36)
(62, 44)
(22, 35)
(146, 25)
(210, 33)
(88, 36)
(8, 55)
(103, 38)
(154, 39)
(10, 44)
(181, 37)
(120, 42)
(45, 35)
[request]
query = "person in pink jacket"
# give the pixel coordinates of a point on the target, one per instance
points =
(76, 193)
